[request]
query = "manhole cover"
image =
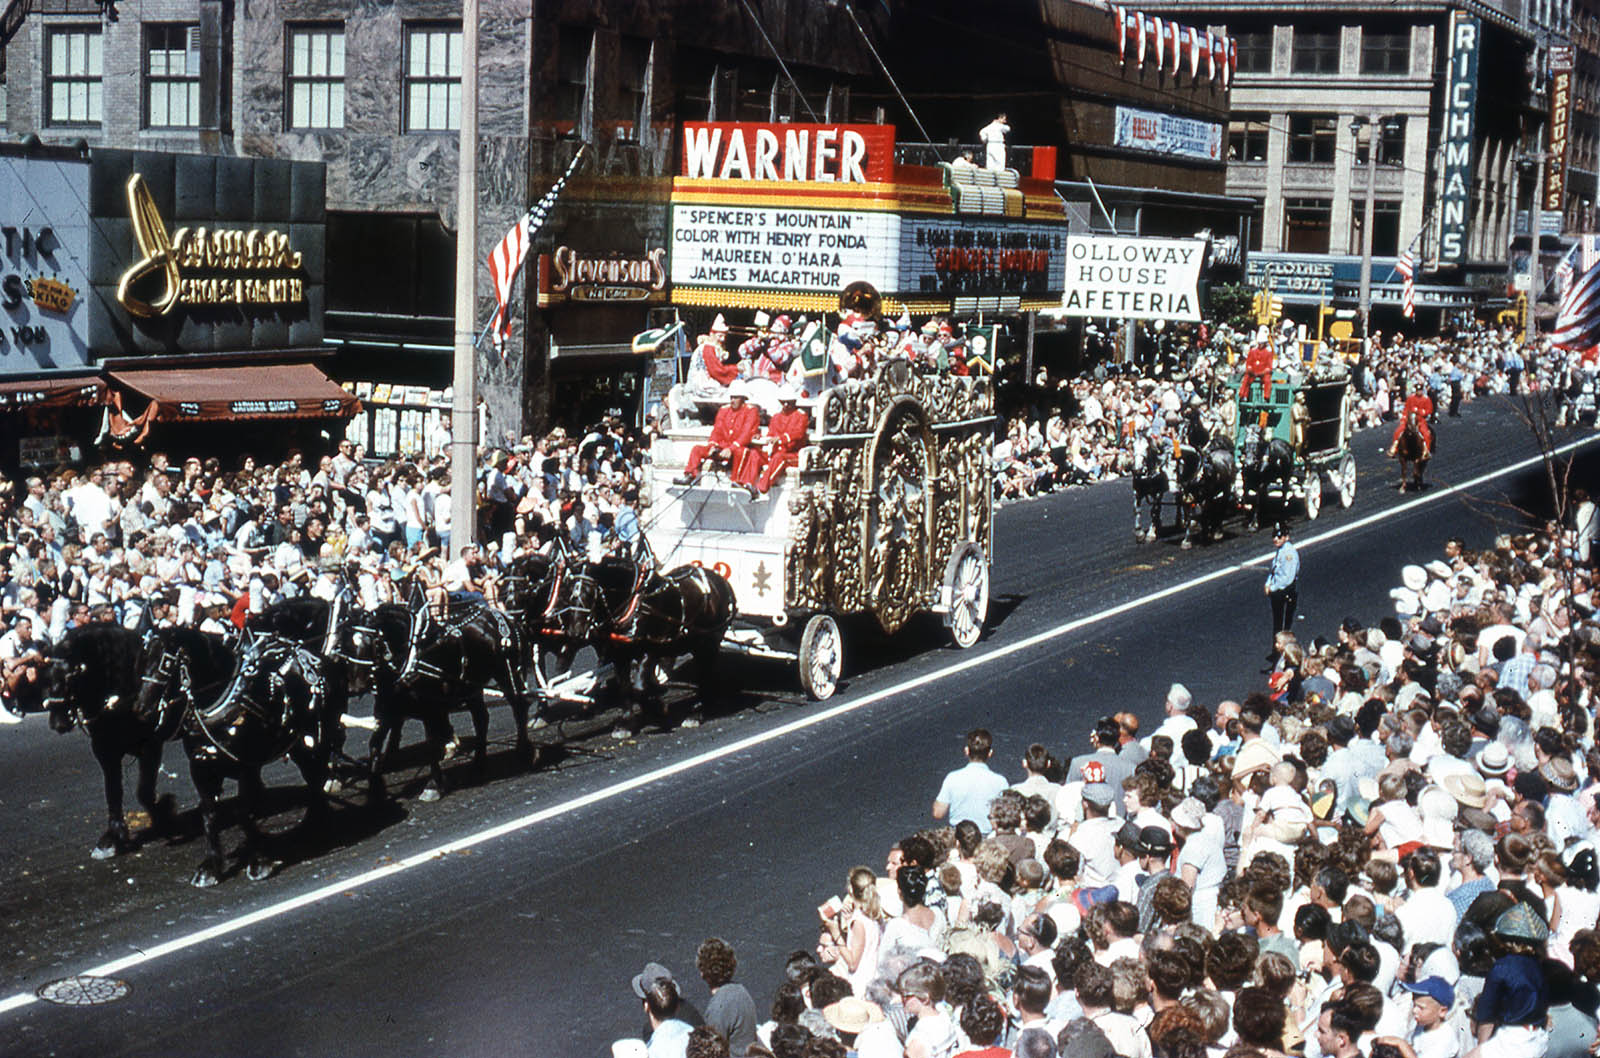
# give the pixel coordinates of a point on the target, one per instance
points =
(83, 991)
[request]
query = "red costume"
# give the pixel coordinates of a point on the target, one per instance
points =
(733, 429)
(1257, 364)
(711, 357)
(773, 363)
(787, 433)
(1421, 406)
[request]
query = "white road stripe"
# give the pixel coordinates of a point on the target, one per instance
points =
(144, 956)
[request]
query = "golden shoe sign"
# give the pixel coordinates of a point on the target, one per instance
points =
(203, 266)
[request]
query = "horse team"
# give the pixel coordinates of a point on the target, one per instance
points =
(281, 688)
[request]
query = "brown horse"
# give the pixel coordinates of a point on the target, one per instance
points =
(1413, 452)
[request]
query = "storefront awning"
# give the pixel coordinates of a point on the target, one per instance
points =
(223, 394)
(52, 393)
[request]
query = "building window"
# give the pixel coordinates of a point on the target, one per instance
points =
(1258, 220)
(315, 81)
(72, 71)
(1247, 138)
(1306, 222)
(1315, 51)
(433, 77)
(1391, 142)
(171, 76)
(636, 67)
(1312, 137)
(1385, 226)
(574, 102)
(1255, 51)
(1386, 52)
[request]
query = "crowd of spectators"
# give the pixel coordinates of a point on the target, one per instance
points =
(194, 543)
(1388, 849)
(1077, 431)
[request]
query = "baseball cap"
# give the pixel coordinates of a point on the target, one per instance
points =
(1153, 841)
(1435, 988)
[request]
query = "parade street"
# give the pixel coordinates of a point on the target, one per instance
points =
(509, 917)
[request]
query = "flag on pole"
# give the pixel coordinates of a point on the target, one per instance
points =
(1578, 319)
(505, 260)
(1565, 268)
(1160, 37)
(1406, 266)
(1122, 34)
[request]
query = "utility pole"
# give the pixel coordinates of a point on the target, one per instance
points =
(1374, 141)
(464, 405)
(1530, 325)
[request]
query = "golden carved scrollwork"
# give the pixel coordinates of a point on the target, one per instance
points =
(878, 533)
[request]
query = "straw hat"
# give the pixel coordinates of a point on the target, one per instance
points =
(1467, 789)
(1414, 577)
(1255, 756)
(852, 1015)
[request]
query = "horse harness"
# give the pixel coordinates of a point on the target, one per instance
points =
(295, 656)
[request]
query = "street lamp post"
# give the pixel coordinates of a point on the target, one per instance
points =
(1374, 141)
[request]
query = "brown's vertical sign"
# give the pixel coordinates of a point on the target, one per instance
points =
(1555, 184)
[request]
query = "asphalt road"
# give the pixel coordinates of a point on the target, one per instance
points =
(412, 930)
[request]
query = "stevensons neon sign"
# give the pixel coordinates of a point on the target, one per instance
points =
(204, 266)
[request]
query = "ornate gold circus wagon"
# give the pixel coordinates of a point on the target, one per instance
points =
(889, 513)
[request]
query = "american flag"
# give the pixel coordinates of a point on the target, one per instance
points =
(505, 260)
(1564, 269)
(1578, 319)
(1406, 266)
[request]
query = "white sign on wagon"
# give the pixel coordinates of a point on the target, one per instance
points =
(782, 249)
(1132, 278)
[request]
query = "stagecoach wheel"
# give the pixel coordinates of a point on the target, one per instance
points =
(1313, 493)
(1347, 480)
(821, 657)
(967, 595)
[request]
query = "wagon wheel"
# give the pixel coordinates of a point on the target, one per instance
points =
(1347, 480)
(564, 671)
(1313, 493)
(966, 585)
(821, 657)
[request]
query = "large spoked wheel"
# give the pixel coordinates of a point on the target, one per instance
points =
(1347, 480)
(1313, 493)
(967, 595)
(566, 672)
(821, 657)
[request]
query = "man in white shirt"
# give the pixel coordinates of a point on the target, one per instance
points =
(967, 792)
(1178, 722)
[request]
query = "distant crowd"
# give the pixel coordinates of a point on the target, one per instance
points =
(1386, 849)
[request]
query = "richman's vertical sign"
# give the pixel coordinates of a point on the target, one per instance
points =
(1461, 98)
(1555, 179)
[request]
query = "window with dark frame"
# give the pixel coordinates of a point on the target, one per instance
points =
(1385, 226)
(73, 69)
(1306, 224)
(171, 75)
(1247, 137)
(432, 82)
(573, 44)
(314, 77)
(1258, 220)
(1315, 51)
(1255, 51)
(1391, 142)
(1386, 51)
(1312, 138)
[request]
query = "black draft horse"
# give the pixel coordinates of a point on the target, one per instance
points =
(663, 616)
(274, 706)
(445, 667)
(1154, 474)
(1413, 453)
(1208, 491)
(109, 680)
(1266, 464)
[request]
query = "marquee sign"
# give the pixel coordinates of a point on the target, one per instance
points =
(782, 249)
(1133, 278)
(849, 154)
(199, 266)
(977, 259)
(1460, 104)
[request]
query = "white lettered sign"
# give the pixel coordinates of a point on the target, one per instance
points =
(1132, 278)
(771, 248)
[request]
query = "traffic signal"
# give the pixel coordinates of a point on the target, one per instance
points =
(1274, 309)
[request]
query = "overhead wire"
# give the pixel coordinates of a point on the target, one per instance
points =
(781, 64)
